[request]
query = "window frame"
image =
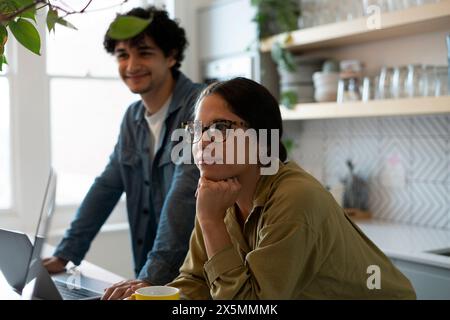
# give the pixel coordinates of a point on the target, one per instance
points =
(30, 137)
(7, 76)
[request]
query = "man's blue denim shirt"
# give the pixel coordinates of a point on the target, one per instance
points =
(160, 195)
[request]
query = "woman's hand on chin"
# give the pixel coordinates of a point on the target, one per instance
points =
(215, 197)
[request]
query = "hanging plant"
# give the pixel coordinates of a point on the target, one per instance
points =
(276, 16)
(19, 17)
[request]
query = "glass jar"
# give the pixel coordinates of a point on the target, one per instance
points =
(442, 81)
(350, 81)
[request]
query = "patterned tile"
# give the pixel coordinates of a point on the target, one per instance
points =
(431, 125)
(313, 127)
(314, 168)
(311, 147)
(429, 159)
(430, 207)
(366, 156)
(391, 203)
(291, 130)
(377, 146)
(364, 127)
(336, 154)
(394, 150)
(396, 126)
(337, 128)
(448, 206)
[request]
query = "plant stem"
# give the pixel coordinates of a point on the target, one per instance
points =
(20, 11)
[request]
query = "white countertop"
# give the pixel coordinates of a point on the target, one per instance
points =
(86, 268)
(408, 242)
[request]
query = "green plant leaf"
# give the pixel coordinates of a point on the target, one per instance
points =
(2, 61)
(3, 36)
(53, 18)
(289, 99)
(66, 23)
(290, 145)
(125, 27)
(283, 58)
(7, 7)
(30, 13)
(26, 34)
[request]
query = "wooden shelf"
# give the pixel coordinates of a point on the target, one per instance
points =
(420, 19)
(375, 108)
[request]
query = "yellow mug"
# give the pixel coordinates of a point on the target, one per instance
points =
(156, 293)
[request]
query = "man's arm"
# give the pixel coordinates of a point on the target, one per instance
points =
(174, 229)
(92, 213)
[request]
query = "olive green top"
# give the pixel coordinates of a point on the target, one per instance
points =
(297, 243)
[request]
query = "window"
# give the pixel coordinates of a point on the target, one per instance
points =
(5, 146)
(87, 99)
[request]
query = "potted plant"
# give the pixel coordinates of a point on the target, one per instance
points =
(275, 17)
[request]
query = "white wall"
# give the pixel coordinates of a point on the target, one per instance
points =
(186, 12)
(110, 250)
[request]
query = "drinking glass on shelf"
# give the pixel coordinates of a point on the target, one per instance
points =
(422, 2)
(384, 5)
(398, 88)
(368, 89)
(394, 5)
(354, 9)
(367, 4)
(442, 81)
(307, 14)
(348, 89)
(324, 15)
(428, 81)
(413, 82)
(385, 83)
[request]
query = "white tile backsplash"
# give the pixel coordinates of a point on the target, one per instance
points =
(430, 159)
(406, 161)
(431, 125)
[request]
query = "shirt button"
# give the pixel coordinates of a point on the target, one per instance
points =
(145, 211)
(140, 242)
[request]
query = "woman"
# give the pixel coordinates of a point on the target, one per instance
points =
(279, 236)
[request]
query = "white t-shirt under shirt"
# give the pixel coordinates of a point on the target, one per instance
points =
(155, 123)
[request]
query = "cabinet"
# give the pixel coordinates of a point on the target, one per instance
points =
(418, 32)
(225, 28)
(430, 282)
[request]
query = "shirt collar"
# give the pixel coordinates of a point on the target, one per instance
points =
(182, 86)
(160, 114)
(261, 193)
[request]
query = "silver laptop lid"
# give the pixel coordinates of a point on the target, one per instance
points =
(47, 209)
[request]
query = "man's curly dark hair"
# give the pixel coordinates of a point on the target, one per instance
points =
(165, 32)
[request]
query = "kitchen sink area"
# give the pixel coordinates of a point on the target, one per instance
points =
(421, 253)
(442, 252)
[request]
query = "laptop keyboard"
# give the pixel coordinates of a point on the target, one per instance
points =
(75, 293)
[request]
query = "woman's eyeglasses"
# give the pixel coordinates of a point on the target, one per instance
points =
(217, 131)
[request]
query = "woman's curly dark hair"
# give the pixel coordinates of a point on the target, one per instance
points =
(165, 32)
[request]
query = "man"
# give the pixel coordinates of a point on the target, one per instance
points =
(160, 195)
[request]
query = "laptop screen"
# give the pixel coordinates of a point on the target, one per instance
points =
(47, 209)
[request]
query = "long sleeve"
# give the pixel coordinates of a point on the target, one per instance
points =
(270, 271)
(92, 213)
(174, 229)
(177, 216)
(297, 244)
(191, 280)
(278, 265)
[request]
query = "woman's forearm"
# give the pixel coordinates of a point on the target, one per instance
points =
(215, 236)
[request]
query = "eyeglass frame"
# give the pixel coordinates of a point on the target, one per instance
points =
(230, 123)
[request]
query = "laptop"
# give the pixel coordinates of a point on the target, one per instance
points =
(21, 264)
